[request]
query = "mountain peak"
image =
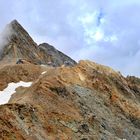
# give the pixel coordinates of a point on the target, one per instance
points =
(19, 44)
(12, 30)
(17, 28)
(14, 22)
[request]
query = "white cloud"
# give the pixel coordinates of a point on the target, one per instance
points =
(98, 35)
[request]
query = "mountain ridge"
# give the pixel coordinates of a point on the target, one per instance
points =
(79, 101)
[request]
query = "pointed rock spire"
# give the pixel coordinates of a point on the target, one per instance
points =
(19, 44)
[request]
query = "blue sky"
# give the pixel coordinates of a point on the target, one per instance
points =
(105, 31)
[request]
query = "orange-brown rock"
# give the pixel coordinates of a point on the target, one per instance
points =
(15, 73)
(87, 101)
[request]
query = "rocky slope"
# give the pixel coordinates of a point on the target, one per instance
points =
(85, 102)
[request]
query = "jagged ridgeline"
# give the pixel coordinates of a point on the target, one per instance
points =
(87, 101)
(17, 44)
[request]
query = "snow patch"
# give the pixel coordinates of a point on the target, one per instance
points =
(5, 95)
(43, 65)
(44, 72)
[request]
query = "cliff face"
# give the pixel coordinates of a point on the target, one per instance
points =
(85, 102)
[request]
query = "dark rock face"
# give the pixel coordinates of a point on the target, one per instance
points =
(21, 45)
(55, 56)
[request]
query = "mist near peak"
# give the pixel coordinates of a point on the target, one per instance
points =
(5, 36)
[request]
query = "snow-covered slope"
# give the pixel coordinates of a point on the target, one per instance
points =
(7, 92)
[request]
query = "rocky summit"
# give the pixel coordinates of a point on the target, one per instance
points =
(21, 45)
(66, 100)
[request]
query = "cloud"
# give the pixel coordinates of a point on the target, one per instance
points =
(5, 36)
(107, 32)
